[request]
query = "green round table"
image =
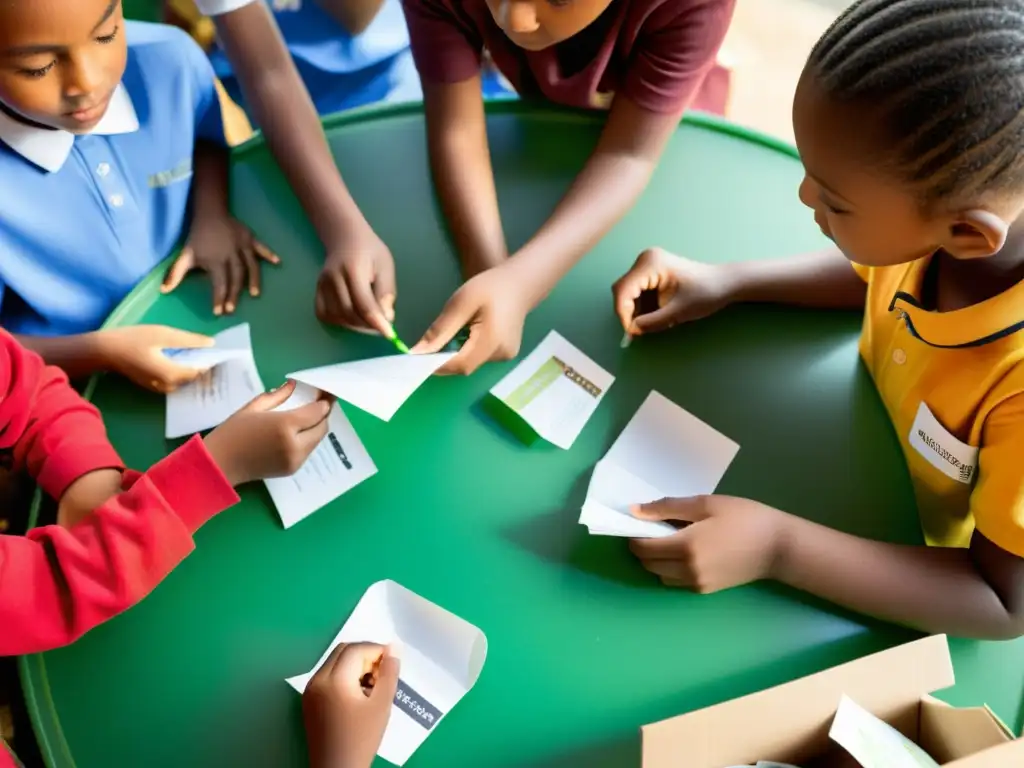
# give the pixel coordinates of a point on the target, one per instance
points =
(585, 646)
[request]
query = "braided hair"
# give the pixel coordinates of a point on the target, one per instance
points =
(945, 81)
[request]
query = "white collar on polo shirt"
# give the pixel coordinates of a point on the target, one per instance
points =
(49, 148)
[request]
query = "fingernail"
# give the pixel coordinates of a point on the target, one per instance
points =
(254, 292)
(217, 311)
(230, 308)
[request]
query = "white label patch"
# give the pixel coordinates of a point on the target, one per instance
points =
(953, 458)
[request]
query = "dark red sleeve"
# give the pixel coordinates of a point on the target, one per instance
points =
(56, 584)
(49, 429)
(677, 48)
(446, 45)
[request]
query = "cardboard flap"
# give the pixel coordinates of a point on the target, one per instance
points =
(950, 733)
(998, 757)
(767, 725)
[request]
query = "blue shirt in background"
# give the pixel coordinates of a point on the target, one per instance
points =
(84, 218)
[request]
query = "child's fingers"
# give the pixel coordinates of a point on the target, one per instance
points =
(365, 304)
(252, 271)
(310, 417)
(219, 284)
(265, 253)
(175, 338)
(236, 278)
(181, 267)
(452, 319)
(387, 677)
(268, 401)
(474, 353)
(385, 290)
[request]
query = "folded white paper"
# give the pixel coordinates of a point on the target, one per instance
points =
(220, 392)
(378, 385)
(232, 344)
(441, 659)
(874, 743)
(338, 464)
(555, 389)
(664, 452)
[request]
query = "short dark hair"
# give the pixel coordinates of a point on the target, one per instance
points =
(944, 79)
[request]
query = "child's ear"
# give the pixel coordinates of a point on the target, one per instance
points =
(975, 234)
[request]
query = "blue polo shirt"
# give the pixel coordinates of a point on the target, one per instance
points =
(84, 218)
(341, 71)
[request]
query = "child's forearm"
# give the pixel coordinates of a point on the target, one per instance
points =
(78, 356)
(460, 163)
(607, 187)
(931, 589)
(823, 279)
(286, 115)
(210, 182)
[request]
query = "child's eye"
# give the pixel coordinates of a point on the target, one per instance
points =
(40, 72)
(107, 39)
(559, 3)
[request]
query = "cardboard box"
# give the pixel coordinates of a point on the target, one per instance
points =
(790, 723)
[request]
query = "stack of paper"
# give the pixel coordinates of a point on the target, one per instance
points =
(874, 743)
(338, 464)
(664, 452)
(441, 659)
(378, 385)
(230, 382)
(554, 390)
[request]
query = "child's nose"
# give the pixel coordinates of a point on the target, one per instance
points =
(808, 193)
(82, 77)
(521, 16)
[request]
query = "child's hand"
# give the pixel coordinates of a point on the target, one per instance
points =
(356, 288)
(225, 249)
(493, 309)
(258, 442)
(137, 352)
(726, 542)
(345, 721)
(86, 494)
(686, 290)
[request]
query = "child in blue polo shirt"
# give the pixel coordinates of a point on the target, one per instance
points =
(109, 133)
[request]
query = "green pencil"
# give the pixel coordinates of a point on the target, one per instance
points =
(399, 344)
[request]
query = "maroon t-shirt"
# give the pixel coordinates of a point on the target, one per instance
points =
(656, 52)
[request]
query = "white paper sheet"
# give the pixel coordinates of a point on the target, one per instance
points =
(664, 452)
(555, 389)
(338, 464)
(874, 743)
(232, 344)
(442, 656)
(378, 385)
(220, 392)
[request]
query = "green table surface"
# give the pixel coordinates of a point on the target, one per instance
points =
(585, 646)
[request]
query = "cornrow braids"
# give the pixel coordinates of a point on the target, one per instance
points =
(945, 79)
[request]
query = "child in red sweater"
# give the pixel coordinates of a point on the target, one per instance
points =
(57, 583)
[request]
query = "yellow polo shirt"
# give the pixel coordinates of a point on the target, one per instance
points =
(953, 383)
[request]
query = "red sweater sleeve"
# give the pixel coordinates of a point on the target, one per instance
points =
(46, 427)
(57, 584)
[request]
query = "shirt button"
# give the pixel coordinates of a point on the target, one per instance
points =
(102, 169)
(117, 200)
(899, 356)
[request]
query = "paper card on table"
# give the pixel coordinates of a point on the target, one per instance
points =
(216, 395)
(663, 452)
(873, 742)
(232, 344)
(442, 656)
(555, 390)
(338, 464)
(378, 385)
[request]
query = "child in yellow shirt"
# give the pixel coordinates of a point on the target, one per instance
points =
(909, 118)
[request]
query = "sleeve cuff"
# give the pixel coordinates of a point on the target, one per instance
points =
(56, 476)
(192, 484)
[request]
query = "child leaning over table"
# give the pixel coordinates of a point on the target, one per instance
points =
(110, 134)
(645, 61)
(909, 118)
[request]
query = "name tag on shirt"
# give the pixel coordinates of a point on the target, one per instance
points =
(953, 458)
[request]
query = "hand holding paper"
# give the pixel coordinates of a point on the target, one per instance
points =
(347, 704)
(442, 657)
(663, 452)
